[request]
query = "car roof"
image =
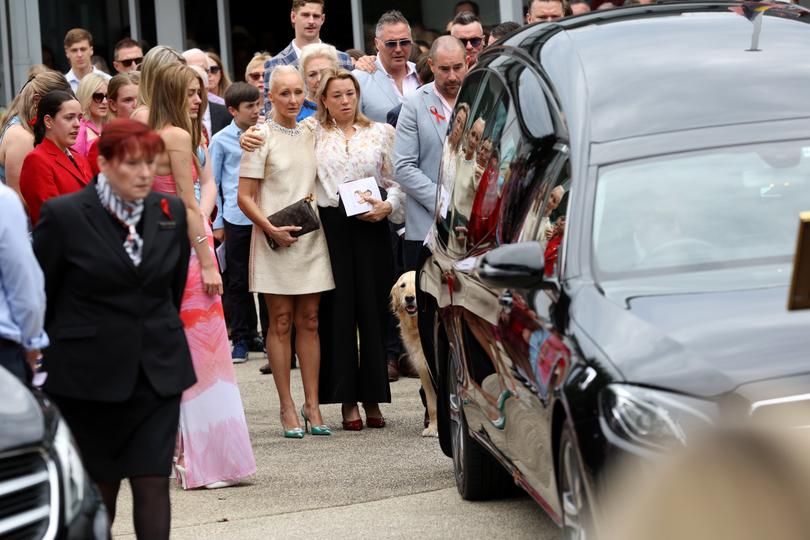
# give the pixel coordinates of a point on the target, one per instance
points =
(672, 67)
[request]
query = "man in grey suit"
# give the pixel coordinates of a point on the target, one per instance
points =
(421, 130)
(395, 78)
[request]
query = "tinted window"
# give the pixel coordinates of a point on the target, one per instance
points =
(701, 211)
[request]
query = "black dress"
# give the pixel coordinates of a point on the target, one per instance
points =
(362, 267)
(118, 360)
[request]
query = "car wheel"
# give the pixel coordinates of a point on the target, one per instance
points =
(571, 486)
(478, 474)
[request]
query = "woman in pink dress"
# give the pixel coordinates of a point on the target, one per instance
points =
(213, 443)
(92, 94)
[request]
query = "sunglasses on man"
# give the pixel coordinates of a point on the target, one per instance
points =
(129, 61)
(474, 42)
(393, 43)
(99, 97)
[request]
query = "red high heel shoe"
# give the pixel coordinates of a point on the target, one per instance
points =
(353, 425)
(375, 422)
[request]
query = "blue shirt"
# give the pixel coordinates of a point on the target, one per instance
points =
(307, 109)
(22, 285)
(225, 155)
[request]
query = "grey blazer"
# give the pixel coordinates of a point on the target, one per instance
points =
(377, 94)
(417, 158)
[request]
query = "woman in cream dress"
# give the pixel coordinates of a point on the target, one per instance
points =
(292, 276)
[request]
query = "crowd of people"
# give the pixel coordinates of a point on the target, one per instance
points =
(127, 184)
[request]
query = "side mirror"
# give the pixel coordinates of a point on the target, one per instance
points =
(514, 266)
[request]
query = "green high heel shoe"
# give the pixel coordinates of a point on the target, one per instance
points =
(314, 430)
(293, 433)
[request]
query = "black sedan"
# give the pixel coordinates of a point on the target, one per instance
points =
(608, 272)
(45, 493)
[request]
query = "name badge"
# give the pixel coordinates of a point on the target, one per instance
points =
(166, 225)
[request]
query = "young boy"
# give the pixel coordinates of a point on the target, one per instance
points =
(244, 103)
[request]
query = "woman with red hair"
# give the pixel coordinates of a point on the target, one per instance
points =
(115, 257)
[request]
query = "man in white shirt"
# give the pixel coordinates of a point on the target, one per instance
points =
(395, 78)
(79, 52)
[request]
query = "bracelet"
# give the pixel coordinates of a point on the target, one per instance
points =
(200, 238)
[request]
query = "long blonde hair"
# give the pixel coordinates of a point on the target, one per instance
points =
(170, 102)
(156, 59)
(24, 105)
(89, 84)
(323, 116)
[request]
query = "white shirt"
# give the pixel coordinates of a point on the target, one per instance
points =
(409, 84)
(297, 49)
(448, 110)
(74, 81)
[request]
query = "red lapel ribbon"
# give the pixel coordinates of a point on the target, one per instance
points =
(164, 205)
(435, 112)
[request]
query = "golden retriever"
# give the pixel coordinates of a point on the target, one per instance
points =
(403, 304)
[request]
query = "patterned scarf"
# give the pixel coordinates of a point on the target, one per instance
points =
(128, 214)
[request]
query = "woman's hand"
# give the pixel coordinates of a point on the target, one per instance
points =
(251, 139)
(282, 235)
(379, 211)
(212, 281)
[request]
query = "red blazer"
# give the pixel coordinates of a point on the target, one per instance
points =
(47, 173)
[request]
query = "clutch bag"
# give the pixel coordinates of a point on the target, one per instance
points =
(298, 214)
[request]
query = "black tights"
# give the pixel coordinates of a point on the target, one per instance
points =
(150, 501)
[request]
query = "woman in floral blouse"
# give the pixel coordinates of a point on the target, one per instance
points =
(349, 147)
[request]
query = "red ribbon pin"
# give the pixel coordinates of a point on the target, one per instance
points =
(164, 205)
(435, 112)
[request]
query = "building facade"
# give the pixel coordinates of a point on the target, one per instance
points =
(32, 31)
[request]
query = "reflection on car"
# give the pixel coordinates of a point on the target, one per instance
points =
(612, 265)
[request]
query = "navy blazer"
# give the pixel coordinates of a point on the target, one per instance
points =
(106, 318)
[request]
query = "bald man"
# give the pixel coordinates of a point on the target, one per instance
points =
(421, 129)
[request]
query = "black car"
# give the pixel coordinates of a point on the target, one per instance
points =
(609, 268)
(45, 492)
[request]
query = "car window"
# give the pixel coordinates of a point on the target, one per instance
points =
(701, 211)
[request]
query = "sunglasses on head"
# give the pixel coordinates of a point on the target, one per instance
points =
(99, 97)
(255, 76)
(129, 61)
(475, 41)
(214, 70)
(392, 43)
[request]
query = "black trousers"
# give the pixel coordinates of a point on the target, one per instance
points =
(358, 306)
(12, 357)
(411, 250)
(395, 347)
(239, 304)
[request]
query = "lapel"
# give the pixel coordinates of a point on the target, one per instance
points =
(63, 161)
(385, 85)
(431, 102)
(151, 215)
(99, 220)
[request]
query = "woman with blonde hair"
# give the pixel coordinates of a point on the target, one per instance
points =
(92, 95)
(315, 59)
(292, 272)
(348, 147)
(213, 444)
(155, 60)
(218, 80)
(17, 133)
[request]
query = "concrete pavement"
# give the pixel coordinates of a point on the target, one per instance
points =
(388, 483)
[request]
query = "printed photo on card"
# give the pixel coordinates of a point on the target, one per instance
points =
(354, 193)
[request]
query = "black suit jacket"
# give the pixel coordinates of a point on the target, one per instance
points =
(393, 115)
(106, 318)
(220, 117)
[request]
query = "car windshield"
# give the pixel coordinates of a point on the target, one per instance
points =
(702, 213)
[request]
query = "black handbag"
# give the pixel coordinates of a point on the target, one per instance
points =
(298, 214)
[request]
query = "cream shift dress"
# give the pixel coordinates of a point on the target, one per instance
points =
(285, 165)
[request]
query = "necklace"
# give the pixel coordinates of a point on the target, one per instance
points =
(285, 130)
